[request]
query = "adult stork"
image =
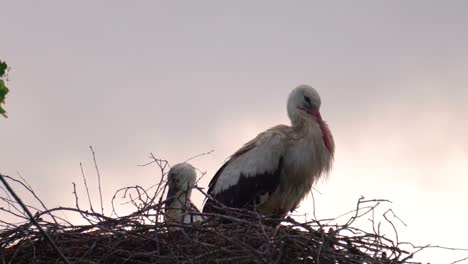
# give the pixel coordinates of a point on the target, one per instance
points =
(178, 206)
(273, 172)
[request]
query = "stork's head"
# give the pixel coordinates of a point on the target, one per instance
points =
(181, 179)
(303, 100)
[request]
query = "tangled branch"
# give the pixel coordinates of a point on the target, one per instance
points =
(235, 236)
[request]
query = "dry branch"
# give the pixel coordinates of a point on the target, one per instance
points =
(236, 236)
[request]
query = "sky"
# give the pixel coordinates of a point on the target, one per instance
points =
(180, 78)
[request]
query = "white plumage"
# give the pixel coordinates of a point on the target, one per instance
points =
(179, 208)
(273, 172)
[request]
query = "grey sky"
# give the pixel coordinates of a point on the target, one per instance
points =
(179, 78)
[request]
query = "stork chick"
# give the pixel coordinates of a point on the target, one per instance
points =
(178, 206)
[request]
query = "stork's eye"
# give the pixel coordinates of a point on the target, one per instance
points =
(307, 99)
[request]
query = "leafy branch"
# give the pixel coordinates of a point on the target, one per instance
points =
(3, 89)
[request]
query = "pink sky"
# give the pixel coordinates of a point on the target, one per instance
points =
(178, 79)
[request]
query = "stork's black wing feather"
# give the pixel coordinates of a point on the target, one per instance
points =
(255, 168)
(246, 192)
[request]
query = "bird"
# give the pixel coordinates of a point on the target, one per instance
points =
(179, 209)
(272, 173)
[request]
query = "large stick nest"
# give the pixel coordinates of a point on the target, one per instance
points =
(236, 236)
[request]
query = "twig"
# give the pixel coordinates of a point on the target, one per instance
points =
(200, 155)
(99, 179)
(31, 217)
(86, 186)
(30, 189)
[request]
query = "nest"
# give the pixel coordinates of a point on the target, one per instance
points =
(234, 236)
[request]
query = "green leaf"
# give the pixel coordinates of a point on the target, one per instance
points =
(3, 112)
(3, 92)
(3, 68)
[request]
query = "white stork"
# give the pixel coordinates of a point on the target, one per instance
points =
(273, 172)
(178, 206)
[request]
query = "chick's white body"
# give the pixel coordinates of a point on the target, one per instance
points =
(179, 208)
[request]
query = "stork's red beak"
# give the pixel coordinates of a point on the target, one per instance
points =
(315, 113)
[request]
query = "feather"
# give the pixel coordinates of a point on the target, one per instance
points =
(273, 172)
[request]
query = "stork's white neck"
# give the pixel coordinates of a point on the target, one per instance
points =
(180, 199)
(178, 206)
(301, 120)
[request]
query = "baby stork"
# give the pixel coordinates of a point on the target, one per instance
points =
(178, 206)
